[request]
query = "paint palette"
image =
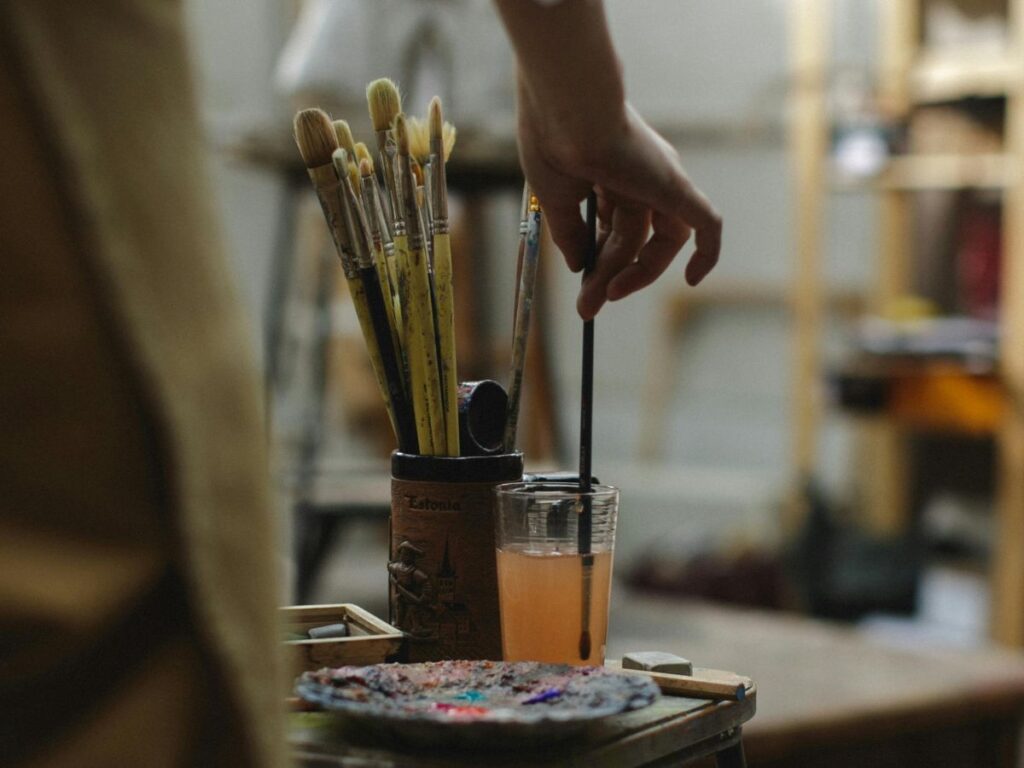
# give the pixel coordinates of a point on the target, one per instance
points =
(474, 703)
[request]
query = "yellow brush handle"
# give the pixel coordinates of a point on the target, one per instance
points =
(389, 306)
(393, 276)
(412, 342)
(356, 289)
(446, 333)
(419, 321)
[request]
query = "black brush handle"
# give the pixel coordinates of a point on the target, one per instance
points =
(401, 407)
(584, 529)
(587, 394)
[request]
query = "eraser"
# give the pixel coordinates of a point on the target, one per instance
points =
(657, 661)
(328, 631)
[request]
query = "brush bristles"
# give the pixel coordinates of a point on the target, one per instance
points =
(419, 139)
(417, 171)
(315, 137)
(363, 153)
(345, 168)
(402, 135)
(345, 139)
(434, 116)
(365, 167)
(340, 160)
(442, 134)
(384, 101)
(448, 140)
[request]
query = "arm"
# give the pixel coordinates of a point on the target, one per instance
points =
(577, 132)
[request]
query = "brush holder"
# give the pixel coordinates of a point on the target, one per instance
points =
(442, 575)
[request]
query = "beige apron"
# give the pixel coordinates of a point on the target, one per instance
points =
(136, 589)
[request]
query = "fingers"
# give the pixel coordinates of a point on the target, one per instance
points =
(654, 258)
(671, 195)
(629, 229)
(568, 231)
(649, 173)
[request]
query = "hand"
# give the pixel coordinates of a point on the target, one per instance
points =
(641, 188)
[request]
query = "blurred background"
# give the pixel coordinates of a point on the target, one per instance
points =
(830, 425)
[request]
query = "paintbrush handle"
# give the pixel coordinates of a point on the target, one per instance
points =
(405, 428)
(422, 312)
(357, 290)
(384, 280)
(412, 343)
(446, 334)
(521, 333)
(720, 687)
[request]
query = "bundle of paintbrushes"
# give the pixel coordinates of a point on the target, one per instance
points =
(388, 216)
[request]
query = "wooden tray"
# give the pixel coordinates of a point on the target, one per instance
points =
(370, 641)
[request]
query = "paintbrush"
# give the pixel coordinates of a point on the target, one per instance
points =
(521, 331)
(368, 299)
(345, 139)
(371, 208)
(385, 104)
(524, 211)
(585, 524)
(387, 264)
(417, 311)
(317, 141)
(443, 278)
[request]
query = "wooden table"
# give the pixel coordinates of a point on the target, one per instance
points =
(831, 696)
(672, 731)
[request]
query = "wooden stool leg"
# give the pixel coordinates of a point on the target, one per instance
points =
(314, 537)
(731, 757)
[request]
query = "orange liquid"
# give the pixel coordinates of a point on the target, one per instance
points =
(541, 606)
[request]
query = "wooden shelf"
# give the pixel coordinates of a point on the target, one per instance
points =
(952, 75)
(924, 172)
(908, 76)
(933, 396)
(912, 172)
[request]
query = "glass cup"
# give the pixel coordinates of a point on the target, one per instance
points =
(554, 600)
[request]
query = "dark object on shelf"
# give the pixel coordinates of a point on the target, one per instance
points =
(749, 577)
(482, 409)
(845, 574)
(860, 392)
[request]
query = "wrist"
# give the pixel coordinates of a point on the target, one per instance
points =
(589, 121)
(570, 76)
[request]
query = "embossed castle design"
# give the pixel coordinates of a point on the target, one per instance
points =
(454, 621)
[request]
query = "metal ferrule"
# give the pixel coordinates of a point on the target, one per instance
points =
(358, 230)
(385, 224)
(328, 191)
(389, 163)
(524, 210)
(369, 208)
(438, 187)
(426, 197)
(407, 184)
(378, 211)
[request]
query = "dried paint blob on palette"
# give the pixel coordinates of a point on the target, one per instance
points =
(478, 691)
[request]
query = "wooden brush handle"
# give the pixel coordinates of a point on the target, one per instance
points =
(707, 684)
